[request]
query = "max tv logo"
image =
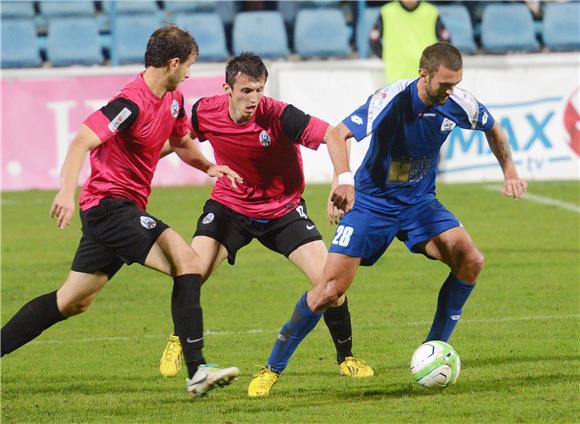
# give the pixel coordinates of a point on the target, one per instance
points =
(532, 131)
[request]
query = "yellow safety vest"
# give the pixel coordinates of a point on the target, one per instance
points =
(405, 35)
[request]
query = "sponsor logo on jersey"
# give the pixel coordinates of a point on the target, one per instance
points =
(447, 125)
(174, 108)
(356, 119)
(119, 119)
(208, 218)
(148, 222)
(265, 139)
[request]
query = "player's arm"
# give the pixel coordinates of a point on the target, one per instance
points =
(63, 205)
(342, 196)
(166, 150)
(188, 152)
(334, 214)
(513, 186)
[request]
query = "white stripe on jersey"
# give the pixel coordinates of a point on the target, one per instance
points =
(468, 103)
(382, 98)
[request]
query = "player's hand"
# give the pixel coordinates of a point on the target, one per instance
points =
(342, 197)
(225, 171)
(333, 214)
(514, 187)
(63, 208)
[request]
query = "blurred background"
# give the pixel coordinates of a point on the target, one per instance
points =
(63, 59)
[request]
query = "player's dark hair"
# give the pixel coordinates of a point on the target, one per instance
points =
(167, 43)
(247, 63)
(439, 54)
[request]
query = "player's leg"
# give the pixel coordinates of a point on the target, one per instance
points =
(455, 248)
(434, 231)
(211, 253)
(310, 259)
(92, 267)
(338, 274)
(186, 268)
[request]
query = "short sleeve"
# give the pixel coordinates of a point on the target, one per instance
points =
(116, 116)
(182, 126)
(473, 115)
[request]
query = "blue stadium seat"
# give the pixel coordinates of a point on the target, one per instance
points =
(19, 44)
(562, 26)
(133, 33)
(16, 9)
(195, 6)
(133, 7)
(508, 27)
(51, 9)
(260, 32)
(208, 31)
(321, 33)
(364, 26)
(456, 19)
(73, 41)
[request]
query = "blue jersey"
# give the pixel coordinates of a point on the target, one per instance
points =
(401, 163)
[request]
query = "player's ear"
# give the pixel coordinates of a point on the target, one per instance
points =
(173, 63)
(227, 88)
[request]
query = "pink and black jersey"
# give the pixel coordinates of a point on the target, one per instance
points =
(265, 151)
(132, 127)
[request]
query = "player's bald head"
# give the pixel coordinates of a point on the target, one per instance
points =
(440, 54)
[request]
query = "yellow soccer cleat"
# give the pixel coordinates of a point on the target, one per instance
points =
(171, 358)
(262, 383)
(355, 368)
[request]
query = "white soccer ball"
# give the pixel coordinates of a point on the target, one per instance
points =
(435, 365)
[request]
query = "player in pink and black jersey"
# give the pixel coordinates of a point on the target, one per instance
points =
(125, 139)
(260, 138)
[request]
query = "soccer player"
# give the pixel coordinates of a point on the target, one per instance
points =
(394, 193)
(125, 139)
(261, 138)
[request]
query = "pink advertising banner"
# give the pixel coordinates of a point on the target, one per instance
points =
(41, 116)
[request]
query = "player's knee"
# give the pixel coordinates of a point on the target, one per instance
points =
(72, 307)
(328, 294)
(188, 263)
(474, 262)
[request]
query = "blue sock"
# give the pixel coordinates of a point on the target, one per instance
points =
(452, 297)
(292, 333)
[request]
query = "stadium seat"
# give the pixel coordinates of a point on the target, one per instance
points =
(196, 6)
(73, 41)
(16, 9)
(260, 32)
(208, 31)
(508, 27)
(456, 19)
(133, 32)
(562, 26)
(51, 9)
(321, 33)
(19, 44)
(135, 7)
(363, 29)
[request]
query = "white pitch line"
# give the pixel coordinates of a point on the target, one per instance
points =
(274, 330)
(541, 199)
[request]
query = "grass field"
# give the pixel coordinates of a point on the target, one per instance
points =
(518, 337)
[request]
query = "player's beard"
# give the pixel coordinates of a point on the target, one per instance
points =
(434, 99)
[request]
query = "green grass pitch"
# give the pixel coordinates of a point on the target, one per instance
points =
(518, 337)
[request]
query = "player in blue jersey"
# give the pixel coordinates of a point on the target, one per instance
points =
(408, 122)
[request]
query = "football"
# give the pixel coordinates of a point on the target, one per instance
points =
(435, 365)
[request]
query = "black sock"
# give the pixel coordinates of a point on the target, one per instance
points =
(338, 322)
(188, 319)
(29, 322)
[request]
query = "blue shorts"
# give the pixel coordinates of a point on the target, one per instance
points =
(368, 229)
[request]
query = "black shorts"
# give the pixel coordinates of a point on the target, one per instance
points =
(234, 230)
(115, 232)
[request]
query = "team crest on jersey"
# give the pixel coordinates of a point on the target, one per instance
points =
(148, 222)
(265, 139)
(447, 125)
(208, 218)
(174, 108)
